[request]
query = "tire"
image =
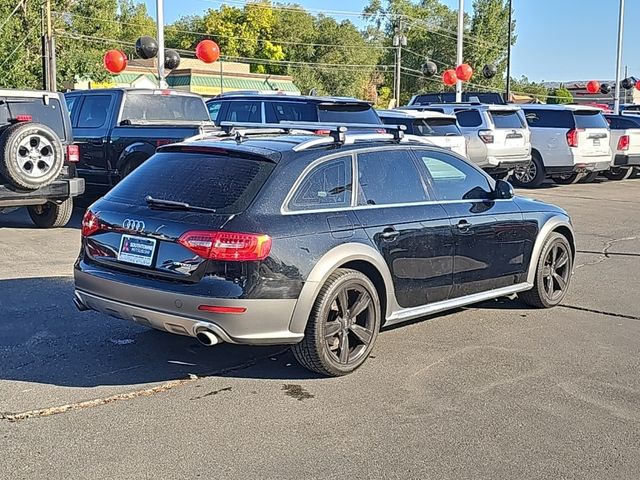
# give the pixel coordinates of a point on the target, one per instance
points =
(589, 177)
(32, 155)
(530, 175)
(550, 271)
(568, 179)
(327, 347)
(618, 173)
(51, 215)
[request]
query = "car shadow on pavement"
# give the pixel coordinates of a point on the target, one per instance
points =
(20, 219)
(45, 339)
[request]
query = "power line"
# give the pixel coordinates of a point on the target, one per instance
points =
(16, 49)
(20, 3)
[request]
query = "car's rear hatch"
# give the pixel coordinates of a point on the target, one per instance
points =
(510, 135)
(592, 132)
(166, 218)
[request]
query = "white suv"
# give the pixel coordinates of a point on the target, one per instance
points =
(568, 142)
(625, 144)
(439, 129)
(498, 139)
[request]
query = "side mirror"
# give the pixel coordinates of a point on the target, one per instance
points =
(503, 190)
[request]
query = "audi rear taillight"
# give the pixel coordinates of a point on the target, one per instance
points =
(227, 246)
(73, 153)
(90, 223)
(486, 136)
(623, 142)
(572, 138)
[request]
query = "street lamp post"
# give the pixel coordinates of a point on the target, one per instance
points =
(459, 58)
(160, 20)
(616, 99)
(508, 89)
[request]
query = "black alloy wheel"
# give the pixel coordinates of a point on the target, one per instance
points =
(553, 274)
(343, 325)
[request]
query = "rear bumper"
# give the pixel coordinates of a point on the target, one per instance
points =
(264, 322)
(505, 163)
(625, 160)
(58, 190)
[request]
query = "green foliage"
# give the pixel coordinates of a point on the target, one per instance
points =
(560, 96)
(524, 85)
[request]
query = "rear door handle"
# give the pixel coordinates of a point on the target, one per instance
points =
(389, 233)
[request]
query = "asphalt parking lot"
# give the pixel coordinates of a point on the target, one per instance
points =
(492, 391)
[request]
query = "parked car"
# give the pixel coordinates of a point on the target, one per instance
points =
(568, 142)
(440, 129)
(497, 135)
(276, 107)
(314, 241)
(625, 144)
(492, 98)
(118, 129)
(37, 157)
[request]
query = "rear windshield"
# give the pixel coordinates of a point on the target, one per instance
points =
(277, 112)
(589, 119)
(347, 113)
(154, 107)
(540, 118)
(506, 119)
(50, 115)
(225, 183)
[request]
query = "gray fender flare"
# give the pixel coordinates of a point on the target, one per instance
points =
(334, 258)
(550, 225)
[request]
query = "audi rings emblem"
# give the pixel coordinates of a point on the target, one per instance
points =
(134, 225)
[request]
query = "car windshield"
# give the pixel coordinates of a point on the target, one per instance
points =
(348, 113)
(154, 107)
(589, 119)
(506, 118)
(224, 183)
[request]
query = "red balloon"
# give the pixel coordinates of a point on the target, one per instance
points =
(115, 61)
(638, 85)
(464, 72)
(593, 86)
(208, 51)
(449, 77)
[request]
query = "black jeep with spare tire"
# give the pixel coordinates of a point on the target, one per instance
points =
(37, 157)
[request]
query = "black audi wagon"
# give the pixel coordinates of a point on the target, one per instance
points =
(279, 237)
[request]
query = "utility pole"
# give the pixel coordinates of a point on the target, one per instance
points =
(51, 51)
(160, 20)
(626, 75)
(508, 89)
(616, 97)
(45, 49)
(459, 58)
(399, 41)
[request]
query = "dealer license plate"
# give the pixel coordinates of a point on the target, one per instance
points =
(136, 250)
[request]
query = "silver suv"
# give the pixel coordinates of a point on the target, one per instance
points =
(498, 138)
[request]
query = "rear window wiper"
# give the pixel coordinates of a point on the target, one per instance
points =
(173, 205)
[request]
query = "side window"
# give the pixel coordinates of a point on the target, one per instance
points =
(389, 177)
(71, 102)
(454, 179)
(94, 111)
(326, 186)
(244, 112)
(549, 118)
(469, 118)
(214, 110)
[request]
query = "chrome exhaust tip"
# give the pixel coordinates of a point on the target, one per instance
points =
(207, 338)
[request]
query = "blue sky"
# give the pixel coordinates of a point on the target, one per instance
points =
(558, 40)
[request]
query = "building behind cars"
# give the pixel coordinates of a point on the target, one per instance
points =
(440, 129)
(498, 139)
(568, 143)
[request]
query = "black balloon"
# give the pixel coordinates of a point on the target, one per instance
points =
(146, 47)
(628, 83)
(605, 89)
(171, 59)
(489, 70)
(429, 69)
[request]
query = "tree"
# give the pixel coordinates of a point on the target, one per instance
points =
(560, 96)
(524, 85)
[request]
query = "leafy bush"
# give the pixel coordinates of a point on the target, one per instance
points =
(560, 96)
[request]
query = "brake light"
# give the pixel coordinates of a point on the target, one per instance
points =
(23, 118)
(623, 143)
(322, 132)
(90, 224)
(162, 142)
(227, 246)
(220, 309)
(73, 153)
(572, 138)
(486, 136)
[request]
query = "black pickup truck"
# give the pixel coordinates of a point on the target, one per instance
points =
(118, 129)
(37, 157)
